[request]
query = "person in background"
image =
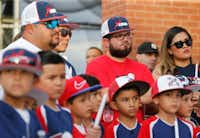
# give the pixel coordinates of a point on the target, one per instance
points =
(92, 53)
(176, 54)
(165, 124)
(147, 54)
(54, 120)
(124, 95)
(19, 69)
(65, 34)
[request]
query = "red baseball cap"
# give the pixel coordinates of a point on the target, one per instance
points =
(74, 87)
(123, 81)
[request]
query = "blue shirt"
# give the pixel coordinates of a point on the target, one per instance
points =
(13, 126)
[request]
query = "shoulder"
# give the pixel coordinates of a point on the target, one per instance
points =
(150, 120)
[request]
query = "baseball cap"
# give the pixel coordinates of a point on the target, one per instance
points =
(127, 81)
(147, 47)
(76, 86)
(21, 59)
(39, 11)
(167, 83)
(113, 25)
(67, 23)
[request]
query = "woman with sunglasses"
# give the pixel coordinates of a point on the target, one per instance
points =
(176, 54)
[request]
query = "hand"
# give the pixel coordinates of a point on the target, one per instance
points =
(93, 132)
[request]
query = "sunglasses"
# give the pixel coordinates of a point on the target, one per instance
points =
(52, 24)
(180, 44)
(65, 32)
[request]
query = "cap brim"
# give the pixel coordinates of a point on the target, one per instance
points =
(141, 85)
(194, 88)
(53, 17)
(92, 88)
(121, 30)
(22, 67)
(183, 91)
(148, 51)
(72, 26)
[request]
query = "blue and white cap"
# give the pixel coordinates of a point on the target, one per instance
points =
(113, 25)
(39, 11)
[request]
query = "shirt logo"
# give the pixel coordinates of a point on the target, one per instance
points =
(80, 84)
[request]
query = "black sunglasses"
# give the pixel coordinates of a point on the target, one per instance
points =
(180, 44)
(65, 32)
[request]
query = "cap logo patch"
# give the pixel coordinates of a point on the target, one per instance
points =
(49, 10)
(79, 85)
(173, 82)
(120, 24)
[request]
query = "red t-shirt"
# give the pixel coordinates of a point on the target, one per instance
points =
(106, 70)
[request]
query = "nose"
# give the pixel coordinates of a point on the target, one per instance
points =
(56, 30)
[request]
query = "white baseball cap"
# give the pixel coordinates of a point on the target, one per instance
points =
(167, 83)
(39, 11)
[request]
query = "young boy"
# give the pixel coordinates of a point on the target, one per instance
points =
(124, 93)
(18, 70)
(76, 97)
(56, 121)
(167, 95)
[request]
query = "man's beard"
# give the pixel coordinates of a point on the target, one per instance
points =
(52, 45)
(119, 53)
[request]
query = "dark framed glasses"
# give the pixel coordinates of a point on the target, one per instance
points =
(180, 44)
(65, 32)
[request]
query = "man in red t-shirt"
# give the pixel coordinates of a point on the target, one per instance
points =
(117, 38)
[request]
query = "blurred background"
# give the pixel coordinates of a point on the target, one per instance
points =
(87, 13)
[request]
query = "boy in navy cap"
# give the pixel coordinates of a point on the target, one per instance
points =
(18, 70)
(124, 93)
(167, 95)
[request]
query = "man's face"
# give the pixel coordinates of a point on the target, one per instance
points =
(64, 37)
(149, 59)
(120, 44)
(47, 34)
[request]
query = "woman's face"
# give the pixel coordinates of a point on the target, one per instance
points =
(181, 47)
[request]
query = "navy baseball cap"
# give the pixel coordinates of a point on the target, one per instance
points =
(147, 47)
(21, 59)
(39, 11)
(65, 22)
(114, 25)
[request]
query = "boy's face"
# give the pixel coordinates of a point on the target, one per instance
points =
(186, 106)
(127, 103)
(52, 80)
(16, 83)
(168, 102)
(81, 106)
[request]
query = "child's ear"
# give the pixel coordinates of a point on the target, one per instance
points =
(156, 100)
(113, 105)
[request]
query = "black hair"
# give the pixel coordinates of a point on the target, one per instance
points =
(129, 86)
(50, 57)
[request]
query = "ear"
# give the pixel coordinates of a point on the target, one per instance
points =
(105, 44)
(156, 100)
(113, 105)
(170, 51)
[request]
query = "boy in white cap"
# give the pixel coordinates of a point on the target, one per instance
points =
(165, 124)
(124, 93)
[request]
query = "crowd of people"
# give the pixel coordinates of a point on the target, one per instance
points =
(156, 96)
